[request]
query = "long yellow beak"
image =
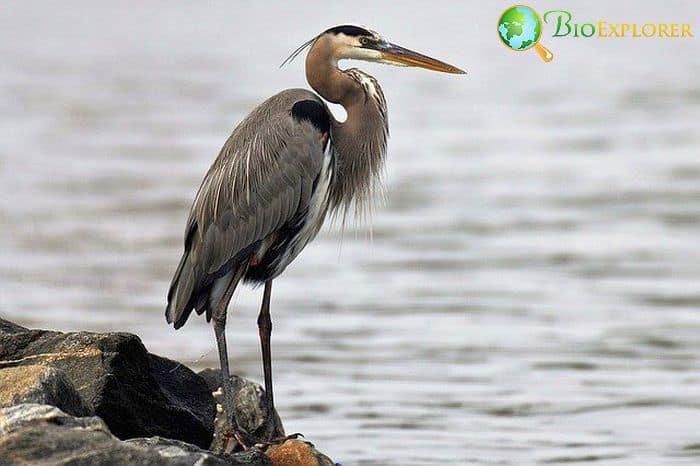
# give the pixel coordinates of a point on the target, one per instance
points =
(397, 55)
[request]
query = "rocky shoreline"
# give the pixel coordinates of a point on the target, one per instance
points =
(102, 398)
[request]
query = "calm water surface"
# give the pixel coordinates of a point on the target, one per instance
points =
(531, 290)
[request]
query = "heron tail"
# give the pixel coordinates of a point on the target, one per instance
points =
(187, 293)
(180, 293)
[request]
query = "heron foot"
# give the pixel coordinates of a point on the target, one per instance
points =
(279, 440)
(228, 436)
(233, 439)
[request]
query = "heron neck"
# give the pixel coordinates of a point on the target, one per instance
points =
(323, 75)
(359, 142)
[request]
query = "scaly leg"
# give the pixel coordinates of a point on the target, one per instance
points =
(219, 323)
(265, 330)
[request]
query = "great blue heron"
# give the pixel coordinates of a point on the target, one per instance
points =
(286, 165)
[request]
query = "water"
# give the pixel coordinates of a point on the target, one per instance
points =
(531, 291)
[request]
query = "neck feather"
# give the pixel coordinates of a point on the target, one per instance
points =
(360, 141)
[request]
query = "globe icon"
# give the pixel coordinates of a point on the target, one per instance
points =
(519, 28)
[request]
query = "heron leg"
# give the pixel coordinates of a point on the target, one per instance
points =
(220, 332)
(219, 324)
(265, 330)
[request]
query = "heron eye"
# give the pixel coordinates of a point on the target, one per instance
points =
(364, 40)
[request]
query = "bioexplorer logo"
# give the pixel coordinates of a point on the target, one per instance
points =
(566, 26)
(520, 29)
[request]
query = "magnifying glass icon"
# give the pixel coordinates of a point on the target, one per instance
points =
(520, 29)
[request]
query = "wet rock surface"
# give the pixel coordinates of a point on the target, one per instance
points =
(33, 434)
(40, 384)
(191, 454)
(101, 399)
(137, 394)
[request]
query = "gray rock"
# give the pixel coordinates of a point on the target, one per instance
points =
(42, 434)
(20, 416)
(33, 434)
(10, 327)
(165, 409)
(40, 384)
(251, 411)
(177, 449)
(136, 393)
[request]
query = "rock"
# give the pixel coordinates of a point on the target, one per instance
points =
(17, 417)
(40, 384)
(212, 377)
(137, 394)
(294, 452)
(175, 448)
(10, 327)
(42, 434)
(251, 411)
(161, 410)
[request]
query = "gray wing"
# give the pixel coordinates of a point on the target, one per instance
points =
(263, 176)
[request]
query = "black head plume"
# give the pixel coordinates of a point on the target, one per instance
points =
(347, 29)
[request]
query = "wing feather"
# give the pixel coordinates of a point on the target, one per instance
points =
(261, 179)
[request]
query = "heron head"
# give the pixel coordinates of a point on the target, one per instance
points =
(358, 43)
